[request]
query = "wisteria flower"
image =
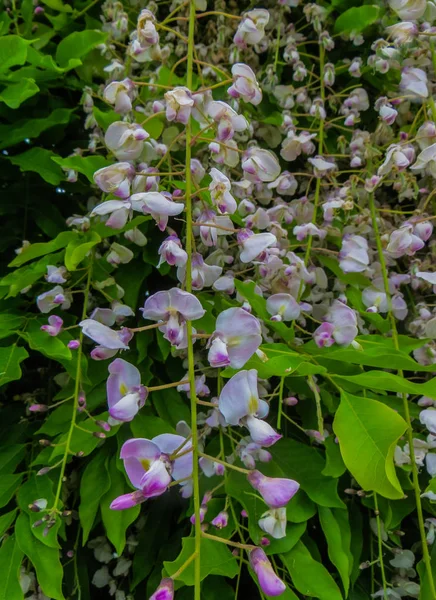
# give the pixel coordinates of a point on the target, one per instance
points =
(203, 275)
(228, 120)
(125, 394)
(179, 105)
(54, 298)
(273, 522)
(283, 307)
(276, 491)
(219, 188)
(260, 165)
(115, 179)
(353, 257)
(159, 206)
(125, 140)
(150, 468)
(408, 9)
(56, 274)
(251, 29)
(164, 591)
(105, 336)
(404, 241)
(173, 308)
(269, 582)
(340, 326)
(236, 338)
(254, 245)
(321, 166)
(245, 84)
(54, 325)
(414, 81)
(120, 94)
(172, 252)
(293, 145)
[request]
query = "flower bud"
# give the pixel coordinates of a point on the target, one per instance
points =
(269, 582)
(165, 591)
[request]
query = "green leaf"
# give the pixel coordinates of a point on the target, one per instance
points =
(10, 563)
(78, 249)
(43, 248)
(41, 341)
(310, 577)
(335, 466)
(305, 464)
(32, 128)
(87, 165)
(46, 561)
(170, 406)
(40, 161)
(368, 432)
(10, 359)
(357, 18)
(216, 559)
(105, 118)
(338, 551)
(58, 5)
(11, 457)
(94, 484)
(78, 44)
(116, 522)
(380, 380)
(149, 426)
(6, 521)
(23, 277)
(15, 94)
(13, 51)
(8, 486)
(154, 127)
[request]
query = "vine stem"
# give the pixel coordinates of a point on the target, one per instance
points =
(417, 490)
(76, 393)
(190, 348)
(380, 547)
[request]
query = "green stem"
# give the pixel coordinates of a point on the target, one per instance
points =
(380, 547)
(415, 479)
(319, 418)
(76, 395)
(280, 407)
(191, 365)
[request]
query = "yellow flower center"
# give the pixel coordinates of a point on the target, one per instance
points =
(145, 463)
(124, 390)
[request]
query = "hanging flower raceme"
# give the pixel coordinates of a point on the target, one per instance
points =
(125, 394)
(236, 338)
(173, 308)
(150, 466)
(240, 404)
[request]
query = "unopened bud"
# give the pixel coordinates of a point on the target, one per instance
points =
(45, 443)
(70, 553)
(80, 454)
(350, 491)
(361, 493)
(38, 408)
(103, 425)
(265, 541)
(99, 434)
(44, 471)
(364, 565)
(290, 401)
(38, 523)
(38, 505)
(73, 344)
(81, 399)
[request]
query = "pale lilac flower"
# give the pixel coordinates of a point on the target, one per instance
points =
(423, 230)
(249, 453)
(219, 188)
(159, 206)
(115, 179)
(135, 236)
(426, 135)
(426, 160)
(397, 156)
(340, 326)
(285, 184)
(119, 211)
(225, 284)
(413, 80)
(172, 252)
(236, 338)
(54, 325)
(408, 9)
(148, 465)
(125, 394)
(269, 582)
(174, 308)
(47, 301)
(56, 274)
(388, 114)
(225, 154)
(179, 105)
(228, 120)
(251, 28)
(283, 307)
(245, 84)
(120, 95)
(428, 418)
(197, 170)
(273, 522)
(165, 590)
(321, 166)
(203, 275)
(353, 257)
(293, 145)
(104, 336)
(275, 491)
(201, 389)
(221, 520)
(428, 277)
(125, 140)
(301, 232)
(403, 241)
(260, 165)
(254, 245)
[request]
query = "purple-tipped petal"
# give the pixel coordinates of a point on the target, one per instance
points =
(239, 397)
(276, 491)
(269, 582)
(261, 432)
(165, 591)
(156, 480)
(127, 501)
(138, 455)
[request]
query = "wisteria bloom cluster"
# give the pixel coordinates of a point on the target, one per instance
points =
(245, 306)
